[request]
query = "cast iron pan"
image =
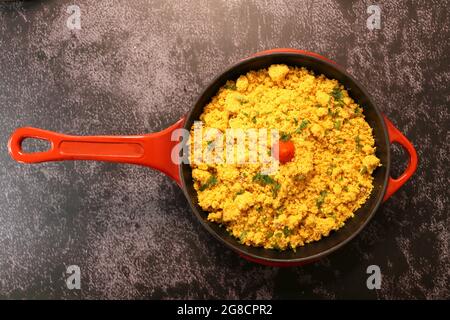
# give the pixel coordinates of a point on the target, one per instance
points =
(154, 150)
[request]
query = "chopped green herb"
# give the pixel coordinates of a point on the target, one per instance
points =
(302, 126)
(321, 199)
(358, 143)
(211, 182)
(240, 192)
(285, 136)
(295, 121)
(242, 236)
(358, 111)
(269, 234)
(245, 114)
(333, 114)
(210, 144)
(345, 189)
(241, 99)
(337, 124)
(363, 170)
(286, 231)
(336, 93)
(275, 190)
(340, 141)
(318, 105)
(278, 234)
(319, 203)
(230, 86)
(259, 209)
(263, 179)
(254, 119)
(269, 152)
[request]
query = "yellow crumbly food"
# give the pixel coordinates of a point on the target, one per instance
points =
(328, 179)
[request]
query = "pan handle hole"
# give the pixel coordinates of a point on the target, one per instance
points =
(399, 160)
(33, 145)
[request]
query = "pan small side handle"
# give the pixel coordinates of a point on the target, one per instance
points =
(396, 136)
(152, 150)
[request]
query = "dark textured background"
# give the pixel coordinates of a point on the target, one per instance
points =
(136, 67)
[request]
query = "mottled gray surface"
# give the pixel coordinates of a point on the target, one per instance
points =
(136, 67)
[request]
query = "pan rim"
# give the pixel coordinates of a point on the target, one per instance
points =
(377, 202)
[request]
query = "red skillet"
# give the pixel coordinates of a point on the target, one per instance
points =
(154, 150)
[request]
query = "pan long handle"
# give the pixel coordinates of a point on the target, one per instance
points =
(152, 150)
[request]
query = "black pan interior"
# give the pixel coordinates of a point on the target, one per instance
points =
(373, 116)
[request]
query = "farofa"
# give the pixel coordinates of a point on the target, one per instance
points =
(328, 179)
